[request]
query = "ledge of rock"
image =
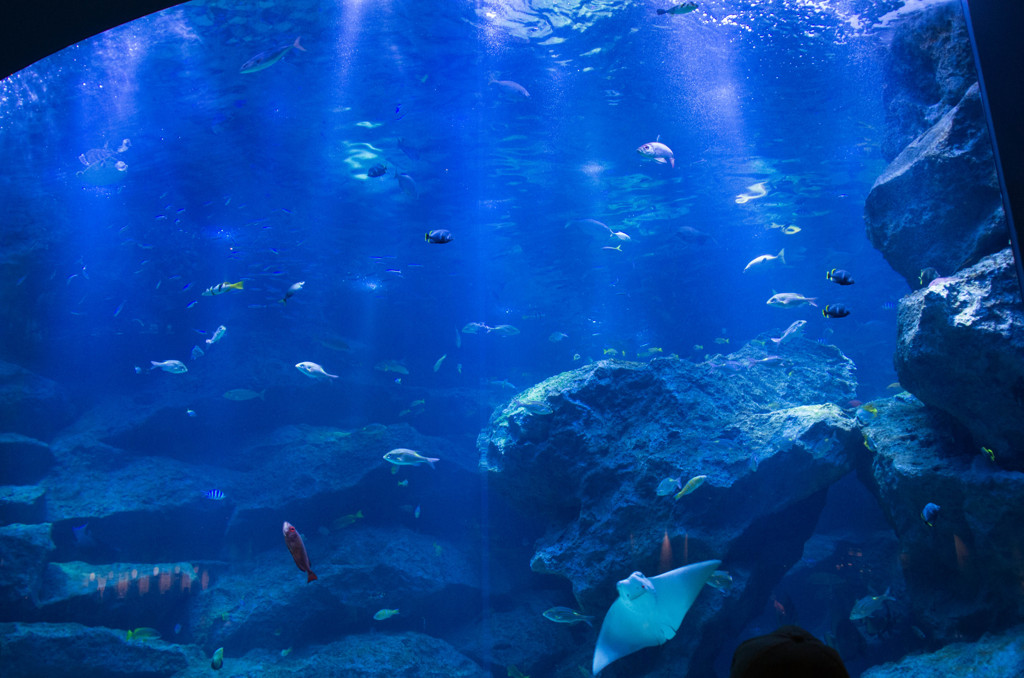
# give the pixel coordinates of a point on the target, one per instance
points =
(961, 350)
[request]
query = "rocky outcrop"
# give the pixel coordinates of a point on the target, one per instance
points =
(23, 460)
(30, 404)
(961, 350)
(930, 67)
(962, 572)
(583, 454)
(999, 656)
(24, 552)
(76, 651)
(938, 203)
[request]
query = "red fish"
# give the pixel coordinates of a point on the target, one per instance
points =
(298, 550)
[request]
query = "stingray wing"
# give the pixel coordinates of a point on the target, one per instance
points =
(650, 619)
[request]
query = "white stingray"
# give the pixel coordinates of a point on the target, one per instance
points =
(648, 612)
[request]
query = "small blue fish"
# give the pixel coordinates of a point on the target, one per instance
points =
(215, 495)
(269, 58)
(930, 513)
(191, 413)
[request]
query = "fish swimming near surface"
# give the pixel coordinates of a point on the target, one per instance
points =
(790, 300)
(794, 330)
(839, 276)
(221, 288)
(658, 152)
(868, 605)
(218, 659)
(684, 8)
(405, 457)
(293, 540)
(270, 57)
(835, 311)
(691, 485)
(567, 615)
(172, 366)
(438, 236)
(930, 513)
(510, 87)
(314, 371)
(766, 259)
(385, 613)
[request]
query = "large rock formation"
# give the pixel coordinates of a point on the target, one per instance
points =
(938, 202)
(999, 656)
(583, 454)
(961, 349)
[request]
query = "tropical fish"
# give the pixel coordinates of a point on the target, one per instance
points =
(391, 366)
(385, 613)
(839, 276)
(684, 8)
(221, 288)
(218, 659)
(567, 615)
(215, 495)
(930, 513)
(669, 486)
(556, 337)
(834, 311)
(766, 259)
(291, 291)
(377, 171)
(293, 541)
(218, 334)
(794, 330)
(868, 605)
(649, 351)
(269, 58)
(346, 520)
(143, 633)
(790, 300)
(691, 485)
(437, 365)
(791, 230)
(720, 580)
(989, 452)
(510, 87)
(658, 152)
(241, 394)
(172, 366)
(314, 371)
(190, 412)
(405, 457)
(611, 352)
(439, 236)
(721, 341)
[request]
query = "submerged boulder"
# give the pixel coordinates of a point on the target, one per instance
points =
(31, 404)
(24, 552)
(963, 571)
(76, 651)
(23, 460)
(584, 454)
(961, 350)
(938, 204)
(994, 655)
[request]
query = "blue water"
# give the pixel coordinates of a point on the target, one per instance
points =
(261, 178)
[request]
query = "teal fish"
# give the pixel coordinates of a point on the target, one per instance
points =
(269, 58)
(669, 486)
(385, 613)
(218, 659)
(405, 457)
(868, 605)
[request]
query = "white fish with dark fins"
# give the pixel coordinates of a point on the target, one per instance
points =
(314, 371)
(292, 291)
(172, 366)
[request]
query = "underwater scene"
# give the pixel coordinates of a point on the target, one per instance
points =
(527, 338)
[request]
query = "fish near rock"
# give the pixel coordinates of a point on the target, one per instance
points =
(930, 513)
(794, 330)
(293, 540)
(405, 457)
(839, 276)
